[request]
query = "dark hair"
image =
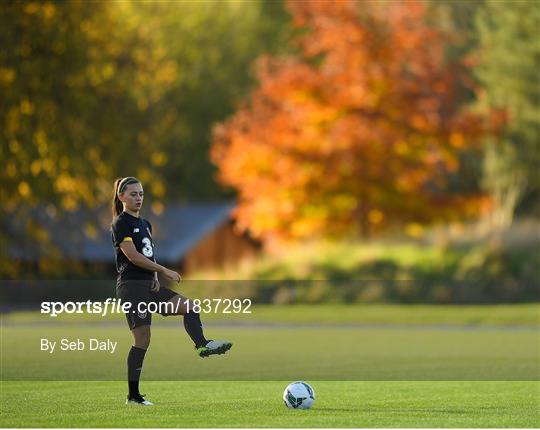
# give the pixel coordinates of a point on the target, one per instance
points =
(119, 186)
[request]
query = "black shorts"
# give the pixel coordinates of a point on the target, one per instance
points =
(137, 292)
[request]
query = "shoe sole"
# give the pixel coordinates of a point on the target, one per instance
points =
(218, 351)
(137, 403)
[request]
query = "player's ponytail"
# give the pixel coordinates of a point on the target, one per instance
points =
(119, 186)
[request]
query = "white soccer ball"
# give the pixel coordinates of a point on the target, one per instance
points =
(299, 395)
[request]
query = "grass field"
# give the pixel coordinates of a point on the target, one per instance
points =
(460, 369)
(259, 404)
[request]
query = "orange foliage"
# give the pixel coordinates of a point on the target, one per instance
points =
(358, 129)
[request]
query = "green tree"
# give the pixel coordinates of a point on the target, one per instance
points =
(509, 71)
(213, 44)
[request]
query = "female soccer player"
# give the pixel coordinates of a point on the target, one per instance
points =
(138, 282)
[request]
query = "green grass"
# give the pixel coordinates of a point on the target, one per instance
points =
(259, 404)
(371, 366)
(267, 353)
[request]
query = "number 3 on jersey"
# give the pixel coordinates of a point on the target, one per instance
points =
(147, 248)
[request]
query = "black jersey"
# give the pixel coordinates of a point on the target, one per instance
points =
(138, 230)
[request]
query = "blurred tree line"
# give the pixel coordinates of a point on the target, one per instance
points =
(501, 40)
(96, 90)
(105, 89)
(508, 70)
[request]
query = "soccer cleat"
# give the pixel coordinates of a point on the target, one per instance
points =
(214, 347)
(138, 400)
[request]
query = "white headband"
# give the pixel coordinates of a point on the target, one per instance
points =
(124, 182)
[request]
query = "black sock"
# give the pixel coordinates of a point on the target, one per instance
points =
(193, 326)
(135, 362)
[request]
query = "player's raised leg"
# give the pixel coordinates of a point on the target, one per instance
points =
(193, 326)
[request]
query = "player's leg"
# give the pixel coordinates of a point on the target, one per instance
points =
(193, 326)
(192, 320)
(139, 321)
(141, 342)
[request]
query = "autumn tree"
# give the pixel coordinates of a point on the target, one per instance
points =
(77, 79)
(357, 130)
(96, 90)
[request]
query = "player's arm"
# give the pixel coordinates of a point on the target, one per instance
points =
(128, 248)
